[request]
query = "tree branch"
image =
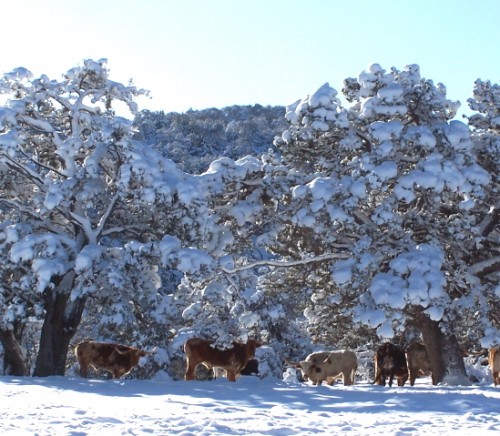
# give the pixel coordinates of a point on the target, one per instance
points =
(21, 169)
(106, 214)
(486, 266)
(286, 264)
(40, 164)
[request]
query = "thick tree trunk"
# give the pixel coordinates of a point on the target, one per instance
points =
(444, 352)
(62, 317)
(14, 361)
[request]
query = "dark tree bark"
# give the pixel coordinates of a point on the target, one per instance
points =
(62, 317)
(14, 361)
(445, 354)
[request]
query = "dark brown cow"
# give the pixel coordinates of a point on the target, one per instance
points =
(115, 358)
(494, 361)
(418, 361)
(390, 361)
(233, 360)
(251, 368)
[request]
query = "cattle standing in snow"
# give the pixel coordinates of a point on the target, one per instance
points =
(115, 358)
(418, 361)
(329, 366)
(390, 361)
(233, 359)
(494, 361)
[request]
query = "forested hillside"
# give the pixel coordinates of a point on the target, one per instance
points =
(196, 138)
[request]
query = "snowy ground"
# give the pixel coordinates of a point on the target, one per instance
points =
(74, 406)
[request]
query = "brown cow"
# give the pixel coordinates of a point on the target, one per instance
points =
(390, 361)
(494, 361)
(418, 362)
(115, 358)
(233, 360)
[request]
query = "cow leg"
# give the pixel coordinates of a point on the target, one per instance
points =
(382, 378)
(231, 375)
(496, 378)
(84, 370)
(190, 368)
(391, 379)
(346, 375)
(413, 376)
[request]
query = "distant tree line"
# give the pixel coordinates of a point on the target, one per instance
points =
(194, 139)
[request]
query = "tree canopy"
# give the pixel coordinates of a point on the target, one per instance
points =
(374, 219)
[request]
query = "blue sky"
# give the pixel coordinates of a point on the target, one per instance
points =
(215, 53)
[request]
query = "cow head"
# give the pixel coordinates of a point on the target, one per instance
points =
(305, 366)
(252, 345)
(311, 371)
(134, 354)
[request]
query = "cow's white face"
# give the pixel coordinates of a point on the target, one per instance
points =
(305, 368)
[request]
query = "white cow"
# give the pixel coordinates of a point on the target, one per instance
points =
(329, 366)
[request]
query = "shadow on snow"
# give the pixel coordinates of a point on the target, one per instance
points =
(264, 394)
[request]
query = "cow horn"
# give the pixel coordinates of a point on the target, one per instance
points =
(152, 351)
(292, 364)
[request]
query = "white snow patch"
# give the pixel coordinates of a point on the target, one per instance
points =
(70, 405)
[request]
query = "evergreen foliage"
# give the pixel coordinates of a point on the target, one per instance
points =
(318, 225)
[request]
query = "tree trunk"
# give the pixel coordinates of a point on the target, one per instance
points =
(62, 317)
(445, 355)
(14, 361)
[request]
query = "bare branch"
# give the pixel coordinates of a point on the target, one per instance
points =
(21, 169)
(106, 214)
(286, 264)
(363, 218)
(490, 221)
(486, 266)
(40, 164)
(365, 139)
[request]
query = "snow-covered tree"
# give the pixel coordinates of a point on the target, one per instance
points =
(394, 183)
(486, 136)
(85, 209)
(221, 306)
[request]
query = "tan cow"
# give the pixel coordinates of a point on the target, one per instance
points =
(494, 361)
(115, 358)
(233, 359)
(329, 366)
(418, 362)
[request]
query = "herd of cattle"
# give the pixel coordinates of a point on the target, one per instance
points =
(324, 366)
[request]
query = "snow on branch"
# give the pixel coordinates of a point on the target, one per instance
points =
(285, 264)
(486, 266)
